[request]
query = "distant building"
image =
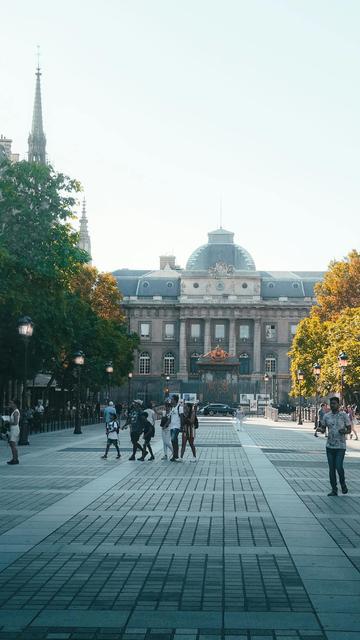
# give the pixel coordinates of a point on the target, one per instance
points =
(84, 240)
(5, 147)
(219, 305)
(37, 139)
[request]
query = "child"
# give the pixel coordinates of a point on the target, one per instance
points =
(112, 432)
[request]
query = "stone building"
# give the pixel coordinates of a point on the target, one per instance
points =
(218, 300)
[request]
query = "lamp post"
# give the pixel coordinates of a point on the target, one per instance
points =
(79, 360)
(25, 329)
(266, 380)
(343, 363)
(300, 377)
(316, 372)
(130, 375)
(167, 386)
(109, 370)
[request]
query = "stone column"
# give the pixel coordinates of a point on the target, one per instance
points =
(232, 338)
(207, 336)
(183, 372)
(257, 346)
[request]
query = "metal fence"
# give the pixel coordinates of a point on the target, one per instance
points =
(60, 421)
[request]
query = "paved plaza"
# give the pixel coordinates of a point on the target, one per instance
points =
(243, 545)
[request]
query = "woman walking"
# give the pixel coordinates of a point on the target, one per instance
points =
(14, 431)
(188, 430)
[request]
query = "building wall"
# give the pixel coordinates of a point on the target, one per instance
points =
(260, 343)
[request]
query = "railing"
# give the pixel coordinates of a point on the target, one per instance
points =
(59, 421)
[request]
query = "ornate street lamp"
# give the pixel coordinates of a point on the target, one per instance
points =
(316, 372)
(343, 363)
(109, 370)
(300, 378)
(130, 375)
(25, 329)
(78, 359)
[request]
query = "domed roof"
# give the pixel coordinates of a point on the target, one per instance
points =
(220, 248)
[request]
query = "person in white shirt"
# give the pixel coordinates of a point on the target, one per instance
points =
(165, 431)
(14, 431)
(176, 415)
(112, 432)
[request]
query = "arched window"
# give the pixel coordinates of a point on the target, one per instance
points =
(144, 363)
(244, 368)
(194, 362)
(270, 363)
(169, 364)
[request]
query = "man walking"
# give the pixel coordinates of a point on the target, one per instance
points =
(320, 422)
(135, 420)
(109, 412)
(176, 415)
(338, 424)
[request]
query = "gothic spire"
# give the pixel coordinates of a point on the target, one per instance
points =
(37, 140)
(84, 239)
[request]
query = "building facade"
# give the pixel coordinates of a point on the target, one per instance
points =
(218, 300)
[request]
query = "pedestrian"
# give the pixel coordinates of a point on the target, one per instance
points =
(239, 416)
(176, 420)
(190, 424)
(109, 412)
(350, 412)
(149, 419)
(324, 408)
(14, 431)
(135, 420)
(165, 430)
(338, 424)
(112, 433)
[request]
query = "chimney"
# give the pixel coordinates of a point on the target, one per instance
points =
(167, 260)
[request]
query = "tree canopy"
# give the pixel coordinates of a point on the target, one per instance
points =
(44, 274)
(333, 326)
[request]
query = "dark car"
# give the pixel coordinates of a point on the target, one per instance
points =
(217, 409)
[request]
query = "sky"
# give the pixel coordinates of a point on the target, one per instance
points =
(169, 110)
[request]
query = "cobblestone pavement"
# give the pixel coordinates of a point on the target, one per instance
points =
(242, 545)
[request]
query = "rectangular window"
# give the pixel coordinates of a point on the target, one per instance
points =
(219, 331)
(270, 332)
(145, 330)
(169, 330)
(195, 331)
(293, 328)
(244, 332)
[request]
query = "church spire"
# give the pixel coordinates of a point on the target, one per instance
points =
(84, 239)
(37, 140)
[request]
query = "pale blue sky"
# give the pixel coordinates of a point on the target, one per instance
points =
(160, 106)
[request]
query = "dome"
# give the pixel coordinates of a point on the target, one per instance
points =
(220, 248)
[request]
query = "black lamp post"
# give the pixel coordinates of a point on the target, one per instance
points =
(25, 329)
(316, 372)
(300, 377)
(266, 380)
(167, 390)
(343, 363)
(130, 375)
(79, 360)
(109, 370)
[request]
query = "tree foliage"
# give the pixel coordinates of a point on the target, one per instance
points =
(340, 288)
(44, 274)
(333, 326)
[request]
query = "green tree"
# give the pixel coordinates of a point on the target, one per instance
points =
(309, 346)
(340, 288)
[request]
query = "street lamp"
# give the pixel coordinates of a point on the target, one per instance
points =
(300, 377)
(316, 372)
(266, 380)
(343, 363)
(167, 386)
(130, 375)
(25, 329)
(78, 360)
(109, 370)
